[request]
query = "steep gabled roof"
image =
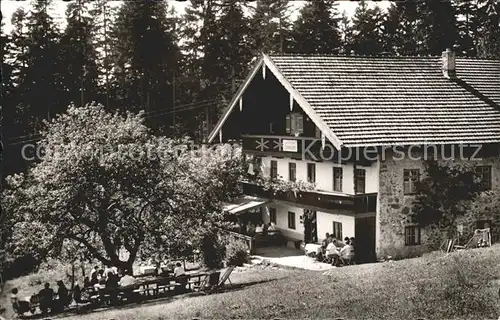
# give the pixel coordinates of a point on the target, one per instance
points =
(375, 101)
(398, 100)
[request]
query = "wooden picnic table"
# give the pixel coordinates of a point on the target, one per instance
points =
(150, 287)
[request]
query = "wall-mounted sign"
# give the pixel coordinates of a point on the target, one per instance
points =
(290, 146)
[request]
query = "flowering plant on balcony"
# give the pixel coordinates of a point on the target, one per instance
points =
(279, 185)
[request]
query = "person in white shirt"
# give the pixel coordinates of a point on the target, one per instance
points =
(259, 229)
(109, 269)
(272, 226)
(332, 253)
(179, 270)
(347, 252)
(127, 280)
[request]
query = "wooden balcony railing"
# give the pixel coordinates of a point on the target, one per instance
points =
(356, 203)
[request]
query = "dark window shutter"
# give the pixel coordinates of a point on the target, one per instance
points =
(299, 126)
(288, 123)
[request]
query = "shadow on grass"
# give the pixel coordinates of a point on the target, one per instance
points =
(88, 308)
(278, 252)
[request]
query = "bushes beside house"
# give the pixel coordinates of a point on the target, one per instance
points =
(219, 249)
(236, 253)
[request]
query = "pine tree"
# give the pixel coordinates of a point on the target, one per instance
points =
(218, 46)
(40, 88)
(79, 65)
(15, 56)
(439, 26)
(102, 15)
(145, 54)
(421, 28)
(391, 41)
(489, 28)
(271, 26)
(368, 29)
(316, 30)
(403, 28)
(346, 34)
(227, 54)
(467, 25)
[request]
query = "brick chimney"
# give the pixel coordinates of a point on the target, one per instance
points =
(448, 59)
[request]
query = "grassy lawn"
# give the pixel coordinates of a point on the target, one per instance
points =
(461, 285)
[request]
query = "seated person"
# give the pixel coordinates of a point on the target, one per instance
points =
(180, 273)
(94, 272)
(46, 298)
(332, 252)
(94, 278)
(111, 269)
(179, 270)
(77, 293)
(347, 252)
(101, 277)
(259, 229)
(127, 280)
(170, 267)
(20, 306)
(250, 229)
(326, 241)
(272, 227)
(324, 244)
(63, 297)
(14, 299)
(111, 281)
(111, 284)
(339, 244)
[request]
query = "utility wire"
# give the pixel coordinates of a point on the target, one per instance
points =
(36, 137)
(152, 114)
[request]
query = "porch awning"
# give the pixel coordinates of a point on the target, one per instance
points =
(244, 203)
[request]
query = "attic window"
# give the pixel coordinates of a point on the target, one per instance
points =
(295, 123)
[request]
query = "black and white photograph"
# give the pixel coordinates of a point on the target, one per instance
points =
(235, 159)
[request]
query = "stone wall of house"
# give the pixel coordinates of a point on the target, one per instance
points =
(394, 206)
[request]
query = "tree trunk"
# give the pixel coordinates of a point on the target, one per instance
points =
(72, 276)
(126, 267)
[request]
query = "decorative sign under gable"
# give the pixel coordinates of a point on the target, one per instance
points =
(241, 103)
(264, 71)
(290, 145)
(291, 102)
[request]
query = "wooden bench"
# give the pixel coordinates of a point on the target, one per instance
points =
(149, 288)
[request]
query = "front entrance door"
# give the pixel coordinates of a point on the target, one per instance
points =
(310, 228)
(365, 239)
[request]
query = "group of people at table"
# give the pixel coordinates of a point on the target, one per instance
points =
(100, 280)
(336, 252)
(252, 229)
(46, 299)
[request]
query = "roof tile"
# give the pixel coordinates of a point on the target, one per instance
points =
(399, 100)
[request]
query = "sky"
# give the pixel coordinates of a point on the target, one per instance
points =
(9, 6)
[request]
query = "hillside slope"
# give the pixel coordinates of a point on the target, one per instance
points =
(460, 285)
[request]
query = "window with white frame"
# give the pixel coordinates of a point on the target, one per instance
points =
(410, 179)
(412, 235)
(337, 179)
